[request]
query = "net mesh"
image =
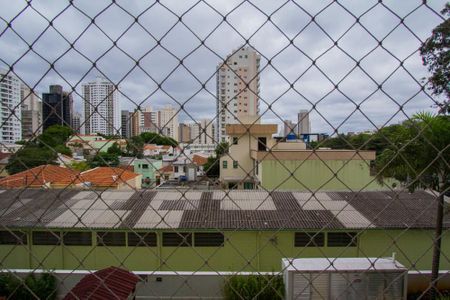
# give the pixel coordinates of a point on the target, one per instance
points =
(201, 142)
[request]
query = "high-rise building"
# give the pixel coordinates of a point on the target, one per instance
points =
(101, 107)
(31, 113)
(167, 122)
(125, 119)
(76, 122)
(145, 120)
(304, 126)
(10, 108)
(237, 89)
(184, 133)
(289, 127)
(57, 107)
(202, 132)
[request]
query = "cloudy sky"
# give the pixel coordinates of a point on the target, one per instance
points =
(289, 43)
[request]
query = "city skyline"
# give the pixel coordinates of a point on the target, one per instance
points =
(181, 87)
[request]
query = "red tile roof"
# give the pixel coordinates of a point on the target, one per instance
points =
(199, 160)
(107, 176)
(166, 169)
(41, 175)
(109, 283)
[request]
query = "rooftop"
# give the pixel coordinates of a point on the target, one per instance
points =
(41, 175)
(246, 210)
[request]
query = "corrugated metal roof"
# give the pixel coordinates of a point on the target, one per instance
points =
(216, 209)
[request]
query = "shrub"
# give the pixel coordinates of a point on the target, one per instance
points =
(260, 287)
(43, 287)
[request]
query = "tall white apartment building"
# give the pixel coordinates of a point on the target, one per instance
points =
(101, 107)
(10, 108)
(237, 89)
(167, 122)
(304, 125)
(202, 132)
(31, 113)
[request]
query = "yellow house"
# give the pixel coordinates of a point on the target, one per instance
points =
(256, 160)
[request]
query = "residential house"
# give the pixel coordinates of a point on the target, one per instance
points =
(53, 176)
(153, 150)
(114, 178)
(255, 159)
(148, 168)
(47, 176)
(93, 144)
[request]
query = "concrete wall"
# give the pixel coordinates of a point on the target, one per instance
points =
(199, 285)
(249, 251)
(318, 174)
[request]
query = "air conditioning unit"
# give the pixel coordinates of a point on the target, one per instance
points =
(344, 278)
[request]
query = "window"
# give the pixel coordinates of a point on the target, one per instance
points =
(342, 239)
(110, 238)
(77, 238)
(235, 140)
(13, 238)
(262, 141)
(175, 169)
(208, 239)
(145, 166)
(224, 164)
(177, 239)
(309, 239)
(235, 164)
(46, 238)
(142, 239)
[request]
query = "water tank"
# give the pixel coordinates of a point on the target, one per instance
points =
(291, 136)
(344, 278)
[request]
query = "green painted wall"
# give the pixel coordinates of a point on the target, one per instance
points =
(150, 172)
(317, 174)
(243, 251)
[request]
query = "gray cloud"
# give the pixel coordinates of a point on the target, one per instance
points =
(287, 59)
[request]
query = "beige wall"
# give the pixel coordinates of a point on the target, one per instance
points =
(242, 154)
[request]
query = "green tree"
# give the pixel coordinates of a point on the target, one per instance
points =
(212, 167)
(80, 166)
(104, 159)
(115, 149)
(222, 149)
(55, 135)
(419, 158)
(436, 56)
(28, 157)
(135, 146)
(155, 138)
(42, 150)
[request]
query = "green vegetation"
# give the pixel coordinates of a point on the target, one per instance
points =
(32, 287)
(254, 287)
(436, 57)
(154, 138)
(212, 166)
(417, 156)
(41, 150)
(135, 145)
(80, 166)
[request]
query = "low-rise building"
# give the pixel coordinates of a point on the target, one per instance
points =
(255, 159)
(235, 231)
(111, 178)
(93, 144)
(45, 176)
(199, 148)
(53, 176)
(148, 168)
